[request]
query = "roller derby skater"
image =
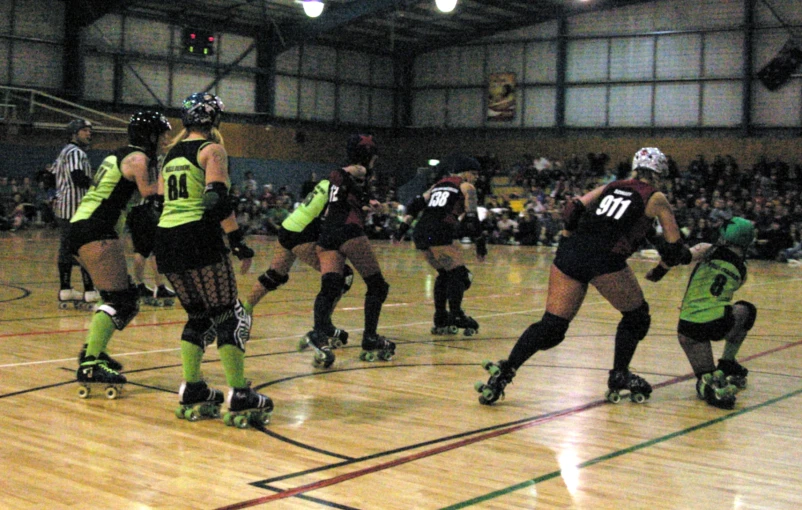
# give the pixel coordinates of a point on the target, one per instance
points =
(501, 374)
(247, 407)
(197, 400)
(601, 230)
(94, 372)
(440, 208)
(707, 313)
(141, 222)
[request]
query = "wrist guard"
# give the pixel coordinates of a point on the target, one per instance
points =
(236, 241)
(216, 203)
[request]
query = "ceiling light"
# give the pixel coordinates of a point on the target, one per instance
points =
(313, 8)
(446, 5)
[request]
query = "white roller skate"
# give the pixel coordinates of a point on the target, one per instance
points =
(74, 298)
(197, 400)
(247, 407)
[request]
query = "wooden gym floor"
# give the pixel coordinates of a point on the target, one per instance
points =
(408, 434)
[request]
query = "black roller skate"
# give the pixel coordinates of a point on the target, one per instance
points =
(734, 372)
(319, 341)
(376, 347)
(164, 296)
(337, 339)
(501, 375)
(197, 400)
(639, 389)
(147, 295)
(110, 362)
(247, 407)
(466, 323)
(94, 372)
(442, 325)
(716, 390)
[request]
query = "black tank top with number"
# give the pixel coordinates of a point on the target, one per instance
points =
(446, 201)
(346, 199)
(617, 223)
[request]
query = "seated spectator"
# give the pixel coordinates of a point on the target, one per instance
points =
(506, 228)
(771, 242)
(528, 229)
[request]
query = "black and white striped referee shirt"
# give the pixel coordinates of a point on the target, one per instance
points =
(68, 195)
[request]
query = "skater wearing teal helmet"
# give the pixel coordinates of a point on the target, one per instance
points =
(706, 314)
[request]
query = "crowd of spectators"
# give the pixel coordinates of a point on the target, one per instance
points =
(26, 202)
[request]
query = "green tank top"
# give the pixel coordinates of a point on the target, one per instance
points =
(184, 184)
(309, 210)
(711, 286)
(110, 190)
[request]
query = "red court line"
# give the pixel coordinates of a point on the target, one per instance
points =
(452, 446)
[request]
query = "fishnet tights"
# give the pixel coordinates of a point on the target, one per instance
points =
(208, 289)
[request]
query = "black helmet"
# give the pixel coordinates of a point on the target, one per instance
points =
(76, 125)
(360, 149)
(144, 129)
(201, 109)
(457, 162)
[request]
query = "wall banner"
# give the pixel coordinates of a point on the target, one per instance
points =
(501, 93)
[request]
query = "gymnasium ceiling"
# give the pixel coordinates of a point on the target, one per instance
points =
(389, 27)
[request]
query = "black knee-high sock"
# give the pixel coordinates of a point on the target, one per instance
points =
(373, 309)
(65, 275)
(88, 284)
(456, 290)
(322, 312)
(625, 348)
(441, 291)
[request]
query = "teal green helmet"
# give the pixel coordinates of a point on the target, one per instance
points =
(737, 231)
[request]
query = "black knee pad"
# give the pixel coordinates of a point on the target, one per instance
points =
(121, 305)
(547, 333)
(348, 276)
(463, 274)
(378, 288)
(635, 324)
(750, 321)
(233, 327)
(331, 286)
(199, 330)
(271, 279)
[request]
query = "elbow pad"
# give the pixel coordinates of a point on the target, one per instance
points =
(415, 206)
(216, 203)
(80, 179)
(674, 254)
(572, 212)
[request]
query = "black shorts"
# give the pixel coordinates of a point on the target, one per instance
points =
(289, 239)
(332, 238)
(584, 264)
(143, 230)
(430, 233)
(189, 246)
(86, 231)
(708, 331)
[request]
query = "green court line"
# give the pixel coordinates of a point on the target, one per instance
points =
(612, 455)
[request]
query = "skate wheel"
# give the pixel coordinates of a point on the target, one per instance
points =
(367, 356)
(63, 305)
(486, 364)
(484, 401)
(228, 419)
(260, 418)
(83, 391)
(469, 332)
(452, 330)
(386, 356)
(336, 343)
(479, 386)
(169, 302)
(112, 392)
(303, 344)
(179, 412)
(241, 421)
(638, 398)
(192, 415)
(488, 394)
(612, 396)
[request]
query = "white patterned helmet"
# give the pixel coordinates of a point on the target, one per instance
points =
(201, 109)
(650, 158)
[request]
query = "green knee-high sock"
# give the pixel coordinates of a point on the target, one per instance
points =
(191, 356)
(233, 360)
(100, 332)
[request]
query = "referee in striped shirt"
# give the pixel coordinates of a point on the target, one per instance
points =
(73, 178)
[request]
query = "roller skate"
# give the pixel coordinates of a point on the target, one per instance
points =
(464, 322)
(716, 390)
(74, 298)
(501, 375)
(442, 325)
(639, 389)
(734, 372)
(197, 400)
(164, 296)
(94, 372)
(247, 407)
(110, 362)
(337, 339)
(319, 341)
(376, 347)
(147, 295)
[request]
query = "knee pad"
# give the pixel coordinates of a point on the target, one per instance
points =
(331, 286)
(378, 288)
(271, 280)
(233, 327)
(547, 333)
(199, 330)
(121, 305)
(635, 324)
(750, 321)
(348, 275)
(462, 273)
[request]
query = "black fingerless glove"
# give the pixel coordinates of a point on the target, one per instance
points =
(236, 241)
(656, 273)
(401, 232)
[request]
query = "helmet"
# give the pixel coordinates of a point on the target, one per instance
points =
(201, 109)
(650, 158)
(737, 231)
(76, 125)
(360, 149)
(143, 125)
(457, 162)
